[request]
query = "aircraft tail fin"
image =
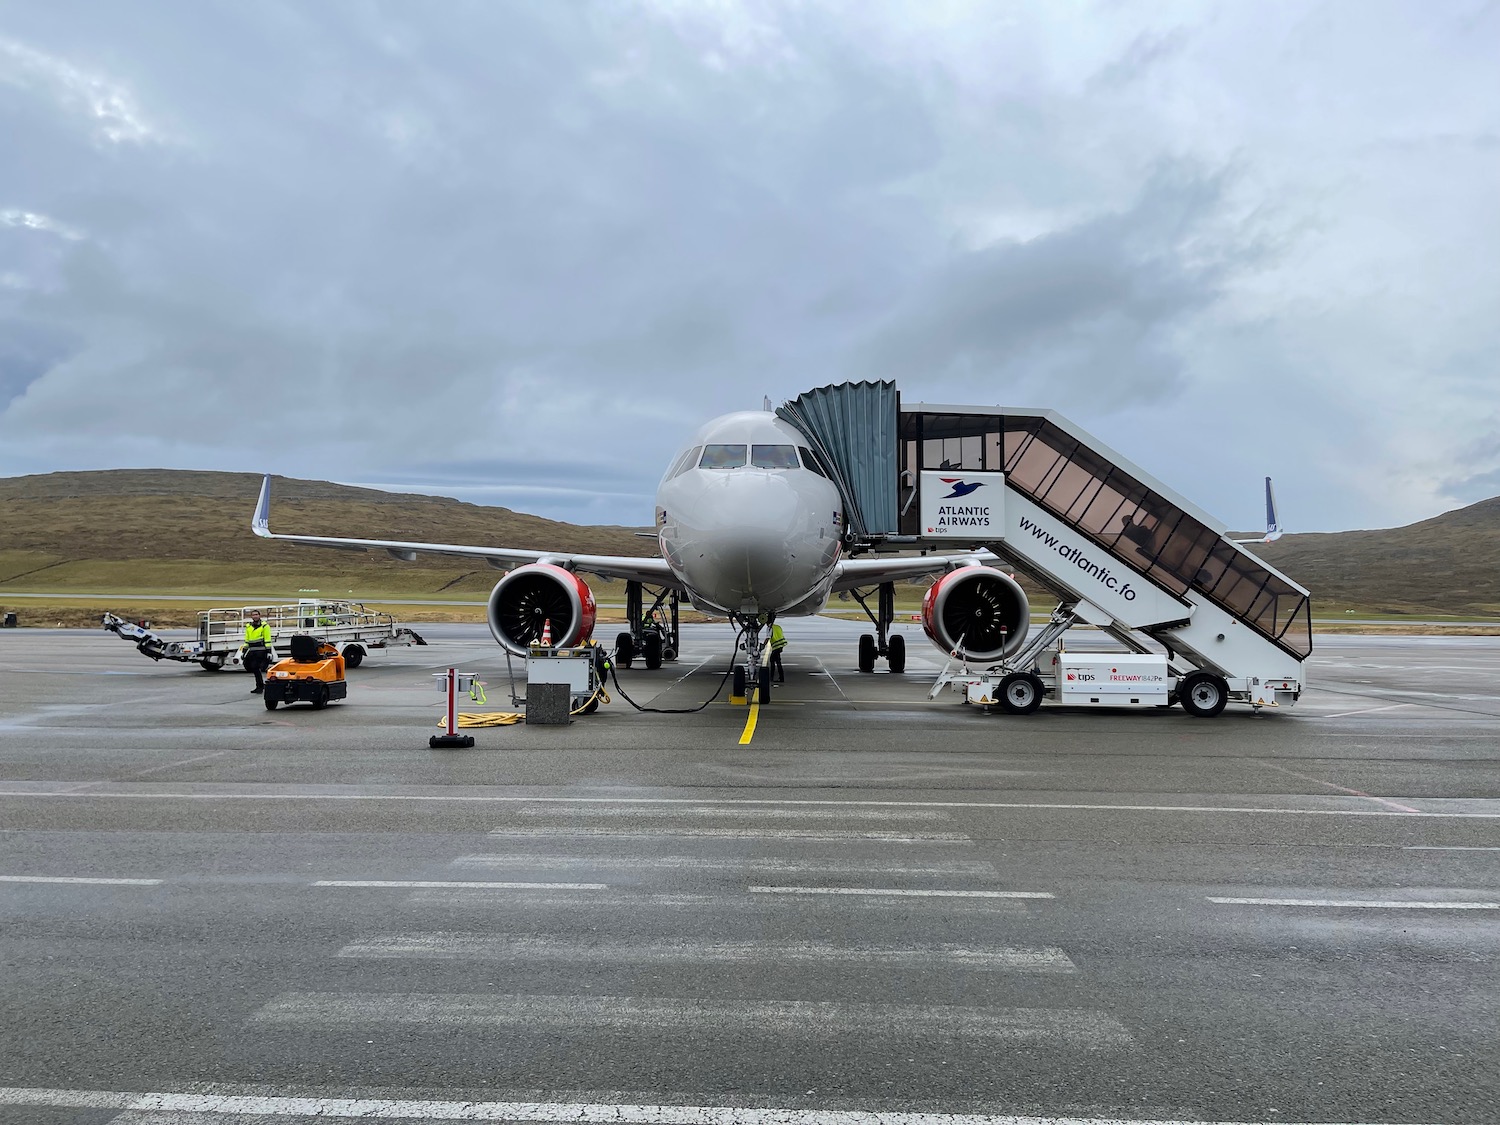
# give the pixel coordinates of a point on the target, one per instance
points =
(1273, 522)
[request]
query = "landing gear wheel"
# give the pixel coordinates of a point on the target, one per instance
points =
(354, 655)
(1020, 693)
(212, 663)
(895, 654)
(867, 652)
(737, 682)
(651, 650)
(765, 686)
(624, 649)
(271, 701)
(1203, 695)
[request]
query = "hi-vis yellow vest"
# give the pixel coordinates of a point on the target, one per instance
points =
(260, 633)
(778, 639)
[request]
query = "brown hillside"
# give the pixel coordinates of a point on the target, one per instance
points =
(50, 523)
(1447, 564)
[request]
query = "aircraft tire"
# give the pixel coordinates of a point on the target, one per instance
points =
(737, 682)
(651, 649)
(1020, 693)
(867, 652)
(1203, 695)
(765, 685)
(895, 656)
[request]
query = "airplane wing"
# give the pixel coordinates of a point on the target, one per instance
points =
(653, 571)
(852, 573)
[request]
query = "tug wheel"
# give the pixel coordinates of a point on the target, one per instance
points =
(271, 702)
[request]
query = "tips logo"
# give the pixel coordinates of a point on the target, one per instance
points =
(961, 487)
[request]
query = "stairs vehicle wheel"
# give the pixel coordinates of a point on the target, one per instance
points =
(895, 656)
(867, 652)
(651, 650)
(1020, 693)
(1203, 695)
(354, 655)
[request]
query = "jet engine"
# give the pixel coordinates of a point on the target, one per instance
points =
(533, 596)
(978, 612)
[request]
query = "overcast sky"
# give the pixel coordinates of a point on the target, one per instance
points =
(517, 252)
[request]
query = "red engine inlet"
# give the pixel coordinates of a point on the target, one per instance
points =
(978, 612)
(533, 596)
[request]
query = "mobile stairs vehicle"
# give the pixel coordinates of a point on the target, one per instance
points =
(314, 673)
(346, 624)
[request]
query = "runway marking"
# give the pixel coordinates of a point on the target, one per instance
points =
(1364, 904)
(438, 1011)
(893, 891)
(430, 884)
(74, 879)
(1455, 848)
(665, 833)
(1365, 711)
(969, 867)
(210, 1105)
(96, 795)
(728, 811)
(506, 947)
(750, 720)
(1341, 788)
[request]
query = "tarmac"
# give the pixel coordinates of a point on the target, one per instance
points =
(868, 906)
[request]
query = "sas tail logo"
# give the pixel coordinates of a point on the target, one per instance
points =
(961, 487)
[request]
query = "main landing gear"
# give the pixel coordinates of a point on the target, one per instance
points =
(654, 635)
(882, 643)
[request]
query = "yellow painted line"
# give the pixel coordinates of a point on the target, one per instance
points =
(749, 732)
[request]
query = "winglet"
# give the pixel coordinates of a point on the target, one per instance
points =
(261, 524)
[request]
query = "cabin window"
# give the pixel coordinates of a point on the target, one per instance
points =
(722, 457)
(773, 456)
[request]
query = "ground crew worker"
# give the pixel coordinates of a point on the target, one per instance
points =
(255, 653)
(778, 642)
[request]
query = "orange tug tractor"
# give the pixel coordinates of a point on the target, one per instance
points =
(314, 673)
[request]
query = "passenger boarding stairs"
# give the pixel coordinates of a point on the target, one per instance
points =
(1134, 557)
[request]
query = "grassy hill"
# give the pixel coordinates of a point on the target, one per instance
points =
(168, 531)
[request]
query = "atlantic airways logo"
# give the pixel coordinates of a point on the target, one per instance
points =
(961, 487)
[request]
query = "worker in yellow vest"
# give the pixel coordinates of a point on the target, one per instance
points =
(778, 642)
(255, 653)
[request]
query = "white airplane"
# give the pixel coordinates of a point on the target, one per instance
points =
(749, 523)
(1273, 525)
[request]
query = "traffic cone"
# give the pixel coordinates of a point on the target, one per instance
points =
(546, 641)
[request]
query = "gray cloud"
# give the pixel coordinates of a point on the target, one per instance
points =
(518, 252)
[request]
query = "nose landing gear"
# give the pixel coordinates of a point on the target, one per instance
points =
(882, 642)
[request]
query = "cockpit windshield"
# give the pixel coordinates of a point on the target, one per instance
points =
(723, 457)
(773, 456)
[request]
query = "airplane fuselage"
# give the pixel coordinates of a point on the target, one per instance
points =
(748, 521)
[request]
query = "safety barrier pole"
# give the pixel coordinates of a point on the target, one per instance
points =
(450, 739)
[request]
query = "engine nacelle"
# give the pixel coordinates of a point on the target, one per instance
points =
(978, 612)
(534, 595)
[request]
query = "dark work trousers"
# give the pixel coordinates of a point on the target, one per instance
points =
(256, 659)
(776, 667)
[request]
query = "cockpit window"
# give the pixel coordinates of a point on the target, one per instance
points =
(686, 461)
(723, 457)
(773, 456)
(809, 461)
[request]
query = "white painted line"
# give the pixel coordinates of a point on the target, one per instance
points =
(957, 867)
(1371, 904)
(544, 1113)
(1365, 711)
(665, 833)
(68, 879)
(450, 885)
(729, 811)
(1454, 848)
(96, 794)
(507, 947)
(1073, 1027)
(891, 891)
